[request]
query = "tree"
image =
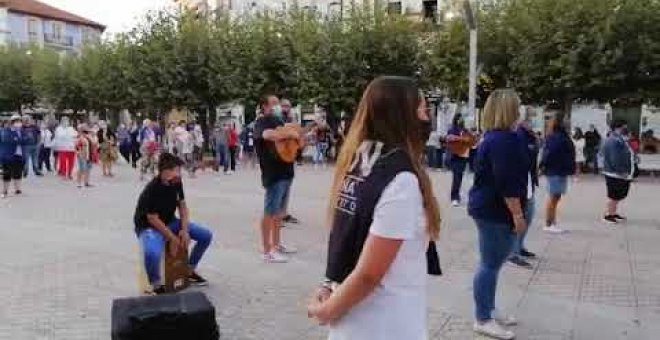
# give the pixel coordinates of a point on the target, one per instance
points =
(17, 86)
(562, 50)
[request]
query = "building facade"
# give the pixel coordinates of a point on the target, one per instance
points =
(33, 23)
(420, 9)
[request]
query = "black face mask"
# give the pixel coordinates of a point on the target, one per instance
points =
(426, 128)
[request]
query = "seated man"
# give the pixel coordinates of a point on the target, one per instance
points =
(156, 223)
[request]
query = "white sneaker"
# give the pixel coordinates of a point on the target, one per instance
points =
(455, 203)
(503, 319)
(493, 329)
(275, 257)
(553, 229)
(286, 250)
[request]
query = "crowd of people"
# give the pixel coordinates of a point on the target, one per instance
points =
(383, 211)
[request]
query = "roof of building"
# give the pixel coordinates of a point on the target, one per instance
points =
(40, 9)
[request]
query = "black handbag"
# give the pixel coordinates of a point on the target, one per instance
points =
(433, 260)
(189, 316)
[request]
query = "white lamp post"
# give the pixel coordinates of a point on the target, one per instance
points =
(472, 74)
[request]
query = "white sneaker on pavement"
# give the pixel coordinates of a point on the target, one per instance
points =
(553, 229)
(275, 257)
(286, 250)
(504, 319)
(493, 329)
(455, 203)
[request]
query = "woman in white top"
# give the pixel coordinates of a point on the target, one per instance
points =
(580, 142)
(65, 145)
(381, 193)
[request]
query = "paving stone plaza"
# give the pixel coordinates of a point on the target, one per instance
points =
(67, 253)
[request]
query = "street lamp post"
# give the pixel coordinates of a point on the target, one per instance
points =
(472, 74)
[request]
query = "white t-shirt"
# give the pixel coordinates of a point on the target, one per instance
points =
(65, 138)
(396, 309)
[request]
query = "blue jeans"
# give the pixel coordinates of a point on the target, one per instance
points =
(439, 158)
(30, 154)
(277, 195)
(319, 152)
(495, 241)
(221, 155)
(457, 166)
(153, 244)
(519, 241)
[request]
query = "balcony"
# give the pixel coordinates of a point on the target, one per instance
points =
(60, 40)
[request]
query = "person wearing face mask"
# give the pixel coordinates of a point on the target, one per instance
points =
(157, 226)
(618, 169)
(383, 214)
(288, 117)
(460, 142)
(12, 156)
(276, 177)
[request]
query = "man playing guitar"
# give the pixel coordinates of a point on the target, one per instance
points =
(459, 143)
(276, 174)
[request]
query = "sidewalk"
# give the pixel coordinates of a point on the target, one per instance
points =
(68, 252)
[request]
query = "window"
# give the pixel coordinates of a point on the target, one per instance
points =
(33, 29)
(394, 7)
(430, 11)
(89, 35)
(57, 31)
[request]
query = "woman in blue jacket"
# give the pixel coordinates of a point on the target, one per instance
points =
(557, 163)
(12, 140)
(496, 204)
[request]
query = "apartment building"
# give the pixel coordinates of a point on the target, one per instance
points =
(30, 22)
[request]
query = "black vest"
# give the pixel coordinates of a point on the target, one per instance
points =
(373, 168)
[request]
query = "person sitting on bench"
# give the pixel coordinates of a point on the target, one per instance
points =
(156, 223)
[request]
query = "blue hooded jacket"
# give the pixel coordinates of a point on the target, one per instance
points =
(10, 140)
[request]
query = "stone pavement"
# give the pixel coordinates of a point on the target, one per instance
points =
(66, 253)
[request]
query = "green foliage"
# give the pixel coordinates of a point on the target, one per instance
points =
(550, 50)
(558, 50)
(16, 86)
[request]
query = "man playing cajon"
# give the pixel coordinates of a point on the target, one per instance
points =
(156, 223)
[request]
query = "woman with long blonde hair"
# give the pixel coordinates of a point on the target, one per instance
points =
(383, 215)
(496, 205)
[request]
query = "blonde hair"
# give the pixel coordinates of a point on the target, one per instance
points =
(375, 119)
(501, 111)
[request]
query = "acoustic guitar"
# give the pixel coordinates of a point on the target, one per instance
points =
(462, 146)
(287, 148)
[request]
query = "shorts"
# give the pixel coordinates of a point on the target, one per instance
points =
(12, 169)
(617, 188)
(557, 185)
(276, 196)
(84, 164)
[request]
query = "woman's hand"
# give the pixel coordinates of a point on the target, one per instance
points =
(322, 294)
(317, 308)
